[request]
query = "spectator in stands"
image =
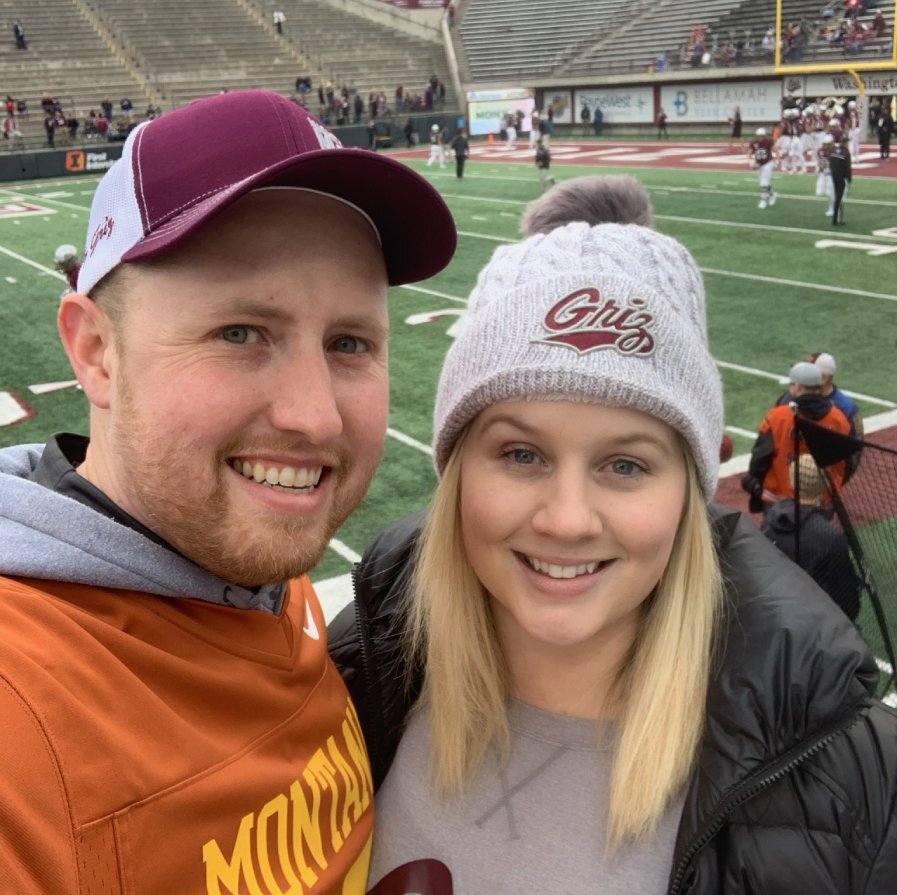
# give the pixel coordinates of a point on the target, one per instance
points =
(806, 532)
(48, 103)
(769, 43)
(597, 120)
(19, 34)
(72, 124)
(127, 108)
(767, 479)
(279, 18)
(10, 104)
(22, 108)
(50, 128)
(409, 132)
(11, 132)
(662, 125)
(879, 26)
(358, 108)
(106, 106)
(400, 99)
(440, 96)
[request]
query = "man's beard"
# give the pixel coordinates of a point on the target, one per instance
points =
(201, 522)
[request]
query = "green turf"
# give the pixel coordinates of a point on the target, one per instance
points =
(752, 323)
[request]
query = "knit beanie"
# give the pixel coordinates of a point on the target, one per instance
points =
(610, 314)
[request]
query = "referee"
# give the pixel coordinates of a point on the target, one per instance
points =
(839, 162)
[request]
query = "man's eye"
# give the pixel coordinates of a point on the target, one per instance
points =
(239, 335)
(350, 345)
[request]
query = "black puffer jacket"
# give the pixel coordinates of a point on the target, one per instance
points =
(795, 792)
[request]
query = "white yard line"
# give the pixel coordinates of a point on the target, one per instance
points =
(409, 441)
(41, 267)
(840, 290)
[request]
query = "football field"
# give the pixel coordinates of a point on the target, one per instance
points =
(781, 282)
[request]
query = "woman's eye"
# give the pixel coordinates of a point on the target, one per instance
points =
(350, 345)
(239, 335)
(625, 467)
(523, 456)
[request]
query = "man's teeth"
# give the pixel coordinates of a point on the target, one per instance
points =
(301, 479)
(555, 571)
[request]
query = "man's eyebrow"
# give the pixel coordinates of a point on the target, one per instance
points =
(247, 307)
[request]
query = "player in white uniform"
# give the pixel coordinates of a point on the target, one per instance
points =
(789, 139)
(762, 154)
(437, 147)
(824, 185)
(807, 145)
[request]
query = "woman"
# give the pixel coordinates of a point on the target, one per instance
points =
(617, 688)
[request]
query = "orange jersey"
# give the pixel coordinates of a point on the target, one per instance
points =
(779, 423)
(154, 745)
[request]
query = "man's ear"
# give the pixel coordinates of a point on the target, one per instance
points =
(88, 338)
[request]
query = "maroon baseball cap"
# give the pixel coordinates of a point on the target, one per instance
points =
(180, 170)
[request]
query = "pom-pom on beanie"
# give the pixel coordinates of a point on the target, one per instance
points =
(610, 314)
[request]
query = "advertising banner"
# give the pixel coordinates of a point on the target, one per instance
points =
(489, 108)
(561, 101)
(875, 83)
(715, 102)
(620, 105)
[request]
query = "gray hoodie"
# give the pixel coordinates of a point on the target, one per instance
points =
(47, 535)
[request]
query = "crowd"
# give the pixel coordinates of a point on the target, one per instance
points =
(347, 105)
(855, 27)
(63, 126)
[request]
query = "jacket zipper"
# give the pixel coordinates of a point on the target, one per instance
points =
(374, 742)
(748, 791)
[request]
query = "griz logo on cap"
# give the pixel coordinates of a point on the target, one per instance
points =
(584, 321)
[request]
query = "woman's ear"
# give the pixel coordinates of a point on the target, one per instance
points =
(89, 340)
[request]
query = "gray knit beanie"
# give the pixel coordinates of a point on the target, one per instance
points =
(611, 314)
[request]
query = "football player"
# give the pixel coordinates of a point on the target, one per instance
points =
(65, 260)
(763, 156)
(437, 147)
(824, 185)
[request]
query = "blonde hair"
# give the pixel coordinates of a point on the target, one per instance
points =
(662, 687)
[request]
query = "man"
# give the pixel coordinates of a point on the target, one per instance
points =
(884, 126)
(762, 155)
(662, 125)
(806, 532)
(839, 165)
(768, 477)
(169, 718)
(461, 148)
